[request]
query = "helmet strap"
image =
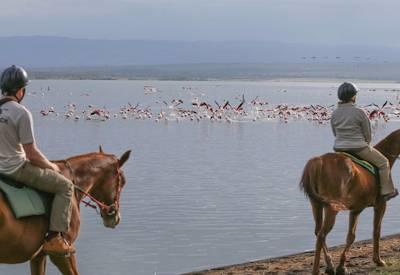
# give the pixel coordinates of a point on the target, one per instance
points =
(23, 95)
(16, 98)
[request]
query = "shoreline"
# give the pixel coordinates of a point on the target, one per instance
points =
(359, 261)
(273, 80)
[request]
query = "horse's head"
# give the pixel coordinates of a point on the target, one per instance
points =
(108, 186)
(99, 177)
(390, 146)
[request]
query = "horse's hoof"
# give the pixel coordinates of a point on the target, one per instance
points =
(330, 271)
(341, 270)
(380, 262)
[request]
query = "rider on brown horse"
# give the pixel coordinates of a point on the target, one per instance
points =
(352, 130)
(21, 160)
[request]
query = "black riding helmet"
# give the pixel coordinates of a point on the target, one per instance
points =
(346, 91)
(12, 79)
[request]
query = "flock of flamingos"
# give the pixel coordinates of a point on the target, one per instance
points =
(238, 109)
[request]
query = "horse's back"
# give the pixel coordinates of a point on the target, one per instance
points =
(335, 177)
(344, 168)
(327, 170)
(19, 238)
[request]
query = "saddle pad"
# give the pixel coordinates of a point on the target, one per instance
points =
(25, 201)
(372, 169)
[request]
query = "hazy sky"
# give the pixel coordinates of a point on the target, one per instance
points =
(316, 21)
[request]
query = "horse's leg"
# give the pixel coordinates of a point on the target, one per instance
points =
(327, 225)
(379, 211)
(351, 235)
(318, 218)
(66, 265)
(38, 265)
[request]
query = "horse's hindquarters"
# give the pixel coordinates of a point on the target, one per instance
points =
(20, 239)
(334, 179)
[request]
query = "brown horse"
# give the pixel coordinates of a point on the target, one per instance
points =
(333, 182)
(96, 175)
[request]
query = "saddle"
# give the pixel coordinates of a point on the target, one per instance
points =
(363, 163)
(24, 200)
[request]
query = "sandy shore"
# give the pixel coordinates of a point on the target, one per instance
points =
(359, 261)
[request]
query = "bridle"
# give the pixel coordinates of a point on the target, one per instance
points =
(109, 210)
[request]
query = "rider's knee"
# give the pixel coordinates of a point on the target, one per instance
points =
(66, 187)
(383, 164)
(70, 188)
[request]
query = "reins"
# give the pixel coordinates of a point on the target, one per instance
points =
(98, 204)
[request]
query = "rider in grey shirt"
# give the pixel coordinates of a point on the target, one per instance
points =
(21, 160)
(352, 130)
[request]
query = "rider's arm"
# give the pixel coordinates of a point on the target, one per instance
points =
(332, 123)
(365, 126)
(36, 157)
(27, 139)
(333, 128)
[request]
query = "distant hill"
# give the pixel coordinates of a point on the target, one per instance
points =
(40, 52)
(58, 57)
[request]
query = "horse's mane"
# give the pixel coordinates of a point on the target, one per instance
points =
(83, 156)
(386, 142)
(389, 137)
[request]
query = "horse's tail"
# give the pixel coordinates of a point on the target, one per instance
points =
(309, 181)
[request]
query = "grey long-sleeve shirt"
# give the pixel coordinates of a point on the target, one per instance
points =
(16, 128)
(351, 127)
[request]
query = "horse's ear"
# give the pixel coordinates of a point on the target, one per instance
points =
(101, 149)
(124, 158)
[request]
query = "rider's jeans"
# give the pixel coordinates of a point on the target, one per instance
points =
(372, 155)
(52, 182)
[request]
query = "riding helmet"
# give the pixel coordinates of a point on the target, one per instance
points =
(346, 91)
(12, 79)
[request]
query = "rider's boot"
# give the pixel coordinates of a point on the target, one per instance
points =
(57, 245)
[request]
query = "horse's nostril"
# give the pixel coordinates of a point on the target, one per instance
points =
(112, 211)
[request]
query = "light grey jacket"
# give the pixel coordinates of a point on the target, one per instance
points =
(351, 127)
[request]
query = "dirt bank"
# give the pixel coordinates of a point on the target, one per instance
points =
(359, 261)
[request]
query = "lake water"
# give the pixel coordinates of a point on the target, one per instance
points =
(199, 194)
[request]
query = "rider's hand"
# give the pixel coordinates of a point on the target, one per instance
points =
(55, 168)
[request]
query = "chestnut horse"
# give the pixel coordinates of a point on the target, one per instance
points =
(96, 175)
(333, 182)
